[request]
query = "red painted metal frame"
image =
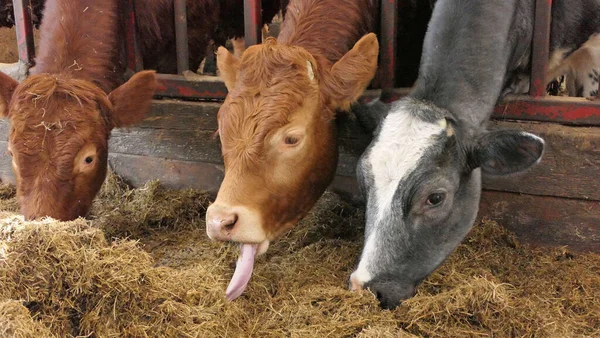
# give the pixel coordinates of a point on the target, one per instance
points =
(132, 48)
(541, 46)
(181, 36)
(252, 21)
(24, 28)
(177, 86)
(389, 20)
(564, 110)
(575, 111)
(535, 106)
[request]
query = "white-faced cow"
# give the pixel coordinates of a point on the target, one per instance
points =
(421, 174)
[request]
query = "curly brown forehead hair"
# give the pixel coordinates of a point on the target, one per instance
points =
(272, 85)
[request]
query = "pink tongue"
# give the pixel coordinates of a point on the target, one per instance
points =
(243, 271)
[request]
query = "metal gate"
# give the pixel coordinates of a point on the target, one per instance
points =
(534, 106)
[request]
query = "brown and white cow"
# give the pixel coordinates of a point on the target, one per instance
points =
(581, 69)
(62, 114)
(277, 124)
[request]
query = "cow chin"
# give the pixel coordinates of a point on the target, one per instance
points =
(60, 213)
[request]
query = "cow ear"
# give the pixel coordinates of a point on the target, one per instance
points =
(369, 115)
(505, 152)
(131, 101)
(350, 76)
(229, 67)
(7, 88)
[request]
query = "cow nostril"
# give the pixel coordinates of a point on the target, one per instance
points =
(229, 223)
(390, 294)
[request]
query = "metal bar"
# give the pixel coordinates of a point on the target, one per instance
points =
(541, 46)
(132, 49)
(252, 22)
(558, 109)
(284, 4)
(389, 19)
(24, 28)
(564, 110)
(181, 36)
(177, 86)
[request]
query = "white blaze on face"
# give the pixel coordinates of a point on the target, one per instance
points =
(402, 141)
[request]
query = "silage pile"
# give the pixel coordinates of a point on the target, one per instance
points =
(142, 266)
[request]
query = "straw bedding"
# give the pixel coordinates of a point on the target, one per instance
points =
(142, 266)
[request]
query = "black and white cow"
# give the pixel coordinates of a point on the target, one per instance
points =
(421, 174)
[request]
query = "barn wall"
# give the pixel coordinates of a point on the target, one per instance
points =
(557, 202)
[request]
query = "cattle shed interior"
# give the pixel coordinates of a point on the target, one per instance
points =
(555, 203)
(530, 267)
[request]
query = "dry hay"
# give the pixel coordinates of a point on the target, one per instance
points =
(130, 272)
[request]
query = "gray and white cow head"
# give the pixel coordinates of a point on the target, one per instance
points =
(421, 178)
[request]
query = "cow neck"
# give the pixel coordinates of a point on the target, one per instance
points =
(465, 60)
(78, 39)
(326, 28)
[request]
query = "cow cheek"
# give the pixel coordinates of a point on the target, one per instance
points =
(87, 185)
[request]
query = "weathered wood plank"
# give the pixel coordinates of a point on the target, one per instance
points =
(542, 220)
(570, 166)
(4, 129)
(187, 115)
(184, 145)
(174, 174)
(6, 174)
(537, 220)
(182, 115)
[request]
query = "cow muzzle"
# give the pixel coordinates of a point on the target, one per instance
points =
(234, 223)
(389, 292)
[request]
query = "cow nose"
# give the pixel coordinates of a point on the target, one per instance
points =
(355, 283)
(220, 222)
(389, 293)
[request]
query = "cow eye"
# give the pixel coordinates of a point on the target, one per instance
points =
(10, 153)
(435, 199)
(89, 160)
(291, 140)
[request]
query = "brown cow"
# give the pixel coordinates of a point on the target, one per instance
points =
(277, 124)
(61, 116)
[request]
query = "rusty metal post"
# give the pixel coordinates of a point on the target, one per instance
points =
(389, 20)
(24, 28)
(252, 21)
(598, 85)
(132, 49)
(181, 36)
(284, 4)
(541, 46)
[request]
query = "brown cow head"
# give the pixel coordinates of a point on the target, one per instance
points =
(277, 133)
(59, 137)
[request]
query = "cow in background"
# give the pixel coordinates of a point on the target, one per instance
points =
(581, 69)
(62, 114)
